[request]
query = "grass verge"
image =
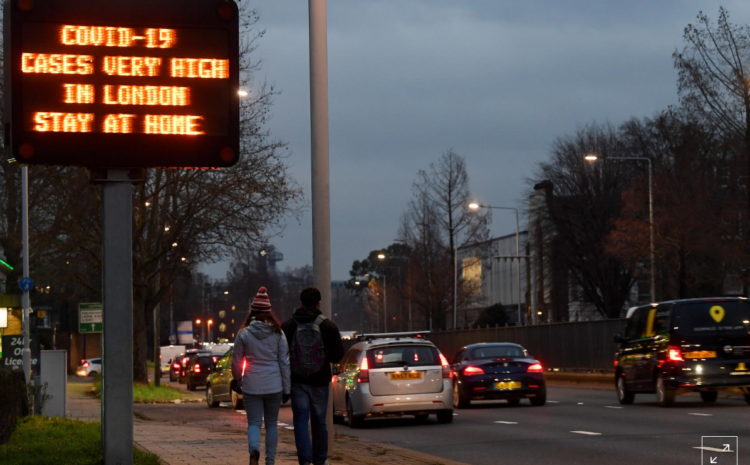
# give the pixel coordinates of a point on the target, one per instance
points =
(51, 441)
(145, 394)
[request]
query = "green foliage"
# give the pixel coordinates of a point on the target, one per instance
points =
(51, 441)
(147, 394)
(33, 392)
(13, 404)
(492, 316)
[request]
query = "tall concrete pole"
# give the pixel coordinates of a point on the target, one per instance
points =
(26, 304)
(321, 189)
(651, 227)
(321, 203)
(117, 338)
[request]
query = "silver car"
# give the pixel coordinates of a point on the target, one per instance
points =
(391, 376)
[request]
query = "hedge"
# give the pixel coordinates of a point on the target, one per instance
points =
(14, 404)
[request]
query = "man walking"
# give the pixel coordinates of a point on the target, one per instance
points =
(314, 343)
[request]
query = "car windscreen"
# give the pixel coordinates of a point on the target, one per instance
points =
(497, 352)
(709, 318)
(400, 355)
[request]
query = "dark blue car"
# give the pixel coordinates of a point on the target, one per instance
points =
(491, 371)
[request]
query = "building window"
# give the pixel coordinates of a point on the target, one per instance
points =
(472, 275)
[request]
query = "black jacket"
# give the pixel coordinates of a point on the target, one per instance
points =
(331, 341)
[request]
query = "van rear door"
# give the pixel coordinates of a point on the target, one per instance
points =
(714, 329)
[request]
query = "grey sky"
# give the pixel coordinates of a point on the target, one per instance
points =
(496, 80)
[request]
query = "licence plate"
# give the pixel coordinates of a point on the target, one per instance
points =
(508, 385)
(406, 375)
(701, 354)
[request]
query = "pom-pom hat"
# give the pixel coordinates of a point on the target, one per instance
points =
(261, 303)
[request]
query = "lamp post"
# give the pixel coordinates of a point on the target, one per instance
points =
(592, 157)
(477, 206)
(381, 256)
(210, 330)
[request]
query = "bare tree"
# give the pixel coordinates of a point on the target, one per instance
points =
(714, 78)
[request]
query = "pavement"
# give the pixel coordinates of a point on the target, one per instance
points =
(193, 434)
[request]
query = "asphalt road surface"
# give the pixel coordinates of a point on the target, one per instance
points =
(577, 426)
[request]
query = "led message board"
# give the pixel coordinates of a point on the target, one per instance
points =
(122, 84)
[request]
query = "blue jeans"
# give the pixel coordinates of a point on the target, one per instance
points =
(258, 408)
(310, 403)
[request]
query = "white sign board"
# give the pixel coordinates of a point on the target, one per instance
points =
(185, 332)
(3, 317)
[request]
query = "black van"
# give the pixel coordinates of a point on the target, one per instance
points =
(679, 346)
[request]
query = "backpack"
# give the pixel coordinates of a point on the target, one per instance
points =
(308, 353)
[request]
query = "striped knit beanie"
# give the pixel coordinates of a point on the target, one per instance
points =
(261, 303)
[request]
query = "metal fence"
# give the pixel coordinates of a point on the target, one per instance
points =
(582, 345)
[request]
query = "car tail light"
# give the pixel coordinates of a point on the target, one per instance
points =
(159, 356)
(617, 362)
(364, 371)
(83, 361)
(176, 366)
(85, 364)
(197, 368)
(214, 359)
(675, 355)
(446, 366)
(473, 371)
(535, 368)
(184, 360)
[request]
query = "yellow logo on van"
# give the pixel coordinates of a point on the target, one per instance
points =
(741, 367)
(717, 313)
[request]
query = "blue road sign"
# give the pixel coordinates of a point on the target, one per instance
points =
(26, 284)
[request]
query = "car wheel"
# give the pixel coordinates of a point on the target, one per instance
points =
(664, 395)
(514, 401)
(237, 403)
(445, 416)
(210, 399)
(459, 399)
(623, 395)
(709, 396)
(92, 373)
(539, 399)
(354, 422)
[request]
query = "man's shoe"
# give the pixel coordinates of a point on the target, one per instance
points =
(254, 457)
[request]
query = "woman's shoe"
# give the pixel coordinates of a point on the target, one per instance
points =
(254, 457)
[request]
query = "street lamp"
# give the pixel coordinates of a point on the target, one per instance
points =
(210, 336)
(593, 158)
(381, 256)
(476, 206)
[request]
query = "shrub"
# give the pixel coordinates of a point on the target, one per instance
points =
(14, 403)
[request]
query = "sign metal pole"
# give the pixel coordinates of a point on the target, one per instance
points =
(117, 360)
(25, 299)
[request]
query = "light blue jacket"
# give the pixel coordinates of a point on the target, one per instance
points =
(267, 355)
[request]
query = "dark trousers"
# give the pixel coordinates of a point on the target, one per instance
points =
(310, 403)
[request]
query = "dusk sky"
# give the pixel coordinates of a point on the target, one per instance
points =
(495, 80)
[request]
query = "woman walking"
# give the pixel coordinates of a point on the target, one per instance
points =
(260, 365)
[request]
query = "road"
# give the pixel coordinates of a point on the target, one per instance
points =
(577, 426)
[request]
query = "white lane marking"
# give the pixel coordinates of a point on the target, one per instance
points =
(613, 406)
(702, 414)
(281, 424)
(507, 422)
(713, 449)
(241, 412)
(291, 428)
(553, 401)
(580, 403)
(455, 414)
(589, 433)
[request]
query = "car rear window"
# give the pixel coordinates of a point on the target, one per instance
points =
(707, 318)
(205, 361)
(400, 355)
(497, 352)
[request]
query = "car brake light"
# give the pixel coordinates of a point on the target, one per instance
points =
(159, 356)
(473, 371)
(184, 360)
(197, 368)
(85, 364)
(83, 361)
(617, 362)
(176, 366)
(214, 358)
(675, 355)
(364, 371)
(446, 366)
(535, 368)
